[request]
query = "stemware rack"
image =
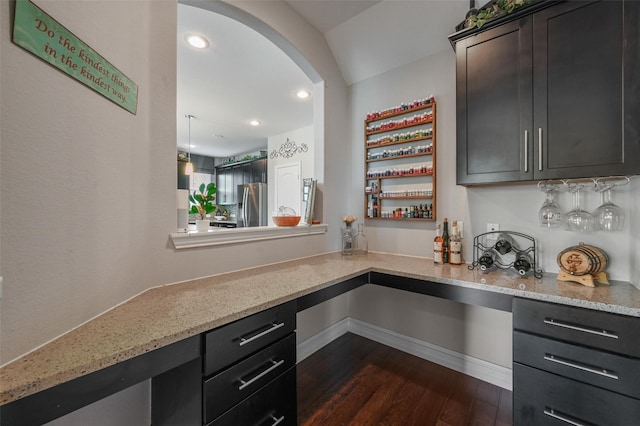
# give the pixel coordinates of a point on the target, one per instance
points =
(505, 256)
(598, 182)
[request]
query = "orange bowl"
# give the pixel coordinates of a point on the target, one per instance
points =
(286, 220)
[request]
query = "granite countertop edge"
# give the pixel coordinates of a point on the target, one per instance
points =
(167, 314)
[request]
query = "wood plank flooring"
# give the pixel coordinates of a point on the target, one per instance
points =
(355, 381)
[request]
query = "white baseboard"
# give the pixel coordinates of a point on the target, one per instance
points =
(475, 367)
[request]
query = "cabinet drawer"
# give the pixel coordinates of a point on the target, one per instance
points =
(274, 404)
(232, 342)
(617, 373)
(611, 332)
(236, 383)
(541, 398)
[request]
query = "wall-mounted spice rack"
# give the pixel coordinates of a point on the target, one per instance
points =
(400, 162)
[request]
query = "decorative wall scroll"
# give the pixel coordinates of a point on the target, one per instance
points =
(288, 149)
(40, 34)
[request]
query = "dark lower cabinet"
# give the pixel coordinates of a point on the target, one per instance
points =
(550, 95)
(541, 398)
(574, 366)
(274, 404)
(246, 375)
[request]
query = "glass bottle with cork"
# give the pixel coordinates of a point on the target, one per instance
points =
(455, 245)
(445, 241)
(437, 246)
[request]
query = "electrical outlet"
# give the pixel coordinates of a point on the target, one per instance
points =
(491, 227)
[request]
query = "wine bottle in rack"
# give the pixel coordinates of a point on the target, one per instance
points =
(523, 263)
(504, 244)
(487, 260)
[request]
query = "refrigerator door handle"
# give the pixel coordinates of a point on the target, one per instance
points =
(245, 198)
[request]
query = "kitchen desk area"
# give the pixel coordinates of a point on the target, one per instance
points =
(159, 331)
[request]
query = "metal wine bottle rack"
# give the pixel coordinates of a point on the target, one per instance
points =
(505, 255)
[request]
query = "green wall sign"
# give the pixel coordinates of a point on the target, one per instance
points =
(46, 38)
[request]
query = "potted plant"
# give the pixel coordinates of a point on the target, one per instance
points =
(202, 204)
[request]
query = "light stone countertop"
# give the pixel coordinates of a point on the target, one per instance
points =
(167, 314)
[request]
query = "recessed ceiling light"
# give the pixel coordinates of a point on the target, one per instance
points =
(218, 136)
(255, 123)
(303, 94)
(197, 41)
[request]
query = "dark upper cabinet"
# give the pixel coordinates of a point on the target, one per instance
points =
(551, 95)
(183, 178)
(228, 178)
(259, 170)
(494, 104)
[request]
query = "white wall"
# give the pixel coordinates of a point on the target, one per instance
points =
(301, 136)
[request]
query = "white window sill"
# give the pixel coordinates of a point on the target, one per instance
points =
(220, 236)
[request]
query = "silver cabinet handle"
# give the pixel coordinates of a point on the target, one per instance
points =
(580, 366)
(540, 148)
(277, 421)
(603, 333)
(562, 417)
(526, 151)
(244, 384)
(273, 327)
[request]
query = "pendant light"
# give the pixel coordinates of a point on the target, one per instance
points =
(189, 168)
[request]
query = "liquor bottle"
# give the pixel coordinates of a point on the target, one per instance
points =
(445, 241)
(437, 246)
(375, 206)
(487, 260)
(360, 240)
(455, 245)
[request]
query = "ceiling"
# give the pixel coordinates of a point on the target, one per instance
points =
(242, 76)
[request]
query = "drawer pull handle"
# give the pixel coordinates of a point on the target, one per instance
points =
(277, 421)
(273, 327)
(244, 384)
(603, 333)
(580, 366)
(563, 417)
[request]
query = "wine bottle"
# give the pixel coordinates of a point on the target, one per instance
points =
(504, 244)
(487, 260)
(445, 241)
(455, 245)
(522, 263)
(437, 246)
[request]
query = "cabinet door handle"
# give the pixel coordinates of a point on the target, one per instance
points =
(540, 148)
(274, 327)
(244, 384)
(276, 421)
(563, 417)
(580, 366)
(603, 333)
(526, 151)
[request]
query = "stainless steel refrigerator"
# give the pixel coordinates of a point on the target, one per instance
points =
(252, 204)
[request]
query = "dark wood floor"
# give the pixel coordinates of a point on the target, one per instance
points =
(355, 381)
